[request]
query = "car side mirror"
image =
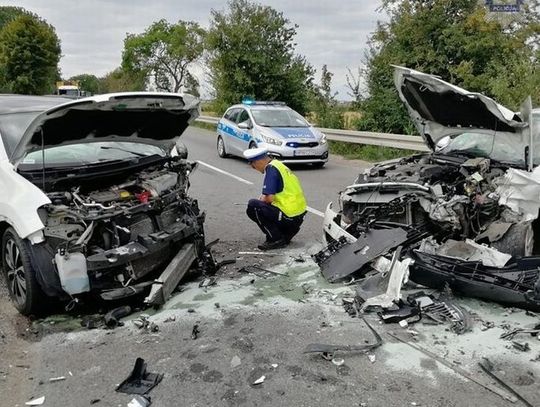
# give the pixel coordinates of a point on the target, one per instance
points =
(245, 125)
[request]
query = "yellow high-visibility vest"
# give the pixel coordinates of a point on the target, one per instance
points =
(291, 201)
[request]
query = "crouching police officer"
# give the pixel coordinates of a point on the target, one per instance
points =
(280, 210)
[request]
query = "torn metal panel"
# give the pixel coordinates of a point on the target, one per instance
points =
(171, 276)
(467, 250)
(340, 259)
(520, 191)
(513, 284)
(495, 231)
(398, 275)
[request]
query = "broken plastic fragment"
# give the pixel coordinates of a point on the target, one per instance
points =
(57, 379)
(139, 401)
(338, 362)
(235, 362)
(260, 380)
(372, 358)
(36, 402)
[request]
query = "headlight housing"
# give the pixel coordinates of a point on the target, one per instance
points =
(271, 140)
(322, 140)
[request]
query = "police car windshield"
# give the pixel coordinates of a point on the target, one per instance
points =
(278, 118)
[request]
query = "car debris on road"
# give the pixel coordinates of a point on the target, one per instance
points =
(458, 217)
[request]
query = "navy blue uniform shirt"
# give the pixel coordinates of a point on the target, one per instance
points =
(273, 182)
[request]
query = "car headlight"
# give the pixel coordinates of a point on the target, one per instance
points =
(322, 140)
(271, 140)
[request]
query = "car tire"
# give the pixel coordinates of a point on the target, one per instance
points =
(252, 144)
(318, 165)
(518, 241)
(221, 148)
(19, 275)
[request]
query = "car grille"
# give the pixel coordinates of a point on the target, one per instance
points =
(296, 144)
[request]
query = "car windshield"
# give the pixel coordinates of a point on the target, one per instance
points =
(499, 147)
(278, 118)
(89, 153)
(12, 127)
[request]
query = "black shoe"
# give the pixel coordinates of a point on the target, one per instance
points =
(278, 244)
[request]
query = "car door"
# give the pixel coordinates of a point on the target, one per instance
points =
(244, 135)
(227, 129)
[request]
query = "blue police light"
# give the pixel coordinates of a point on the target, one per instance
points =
(248, 101)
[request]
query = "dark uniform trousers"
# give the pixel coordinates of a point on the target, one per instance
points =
(274, 223)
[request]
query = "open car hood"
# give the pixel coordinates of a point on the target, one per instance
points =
(142, 117)
(440, 109)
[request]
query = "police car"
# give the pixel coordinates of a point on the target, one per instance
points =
(274, 126)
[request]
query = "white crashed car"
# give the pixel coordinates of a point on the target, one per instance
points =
(480, 181)
(94, 197)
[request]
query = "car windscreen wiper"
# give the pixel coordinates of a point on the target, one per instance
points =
(123, 149)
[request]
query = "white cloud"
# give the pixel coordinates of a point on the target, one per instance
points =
(92, 31)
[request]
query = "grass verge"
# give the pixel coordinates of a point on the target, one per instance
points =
(203, 125)
(367, 152)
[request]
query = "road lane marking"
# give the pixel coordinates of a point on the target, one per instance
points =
(245, 181)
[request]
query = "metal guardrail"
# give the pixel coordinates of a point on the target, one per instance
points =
(402, 141)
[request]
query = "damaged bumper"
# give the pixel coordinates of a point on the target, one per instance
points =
(332, 230)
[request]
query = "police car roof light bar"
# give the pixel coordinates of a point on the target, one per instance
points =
(249, 101)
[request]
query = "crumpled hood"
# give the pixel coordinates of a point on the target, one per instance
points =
(440, 109)
(290, 132)
(143, 117)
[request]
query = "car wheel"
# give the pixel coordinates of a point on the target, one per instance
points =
(518, 241)
(318, 165)
(20, 277)
(252, 144)
(221, 148)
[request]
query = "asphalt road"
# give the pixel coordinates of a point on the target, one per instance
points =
(224, 186)
(254, 326)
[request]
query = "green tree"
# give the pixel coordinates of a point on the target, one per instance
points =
(324, 103)
(88, 82)
(29, 55)
(10, 13)
(164, 53)
(453, 39)
(252, 53)
(119, 80)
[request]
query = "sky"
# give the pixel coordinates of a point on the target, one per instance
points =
(92, 31)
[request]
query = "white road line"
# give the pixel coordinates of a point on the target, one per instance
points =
(245, 181)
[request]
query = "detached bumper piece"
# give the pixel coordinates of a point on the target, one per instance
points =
(146, 244)
(516, 284)
(139, 380)
(341, 258)
(168, 280)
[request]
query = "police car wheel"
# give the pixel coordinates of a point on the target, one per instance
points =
(221, 148)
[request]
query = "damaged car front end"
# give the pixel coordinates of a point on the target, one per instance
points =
(97, 200)
(478, 185)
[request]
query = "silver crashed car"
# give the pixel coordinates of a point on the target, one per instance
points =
(95, 197)
(465, 214)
